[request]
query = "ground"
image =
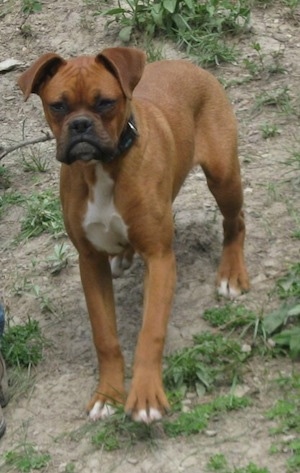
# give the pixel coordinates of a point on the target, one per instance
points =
(47, 412)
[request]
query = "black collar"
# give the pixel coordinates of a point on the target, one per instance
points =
(127, 137)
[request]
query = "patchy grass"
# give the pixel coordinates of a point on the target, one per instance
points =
(26, 458)
(279, 98)
(118, 431)
(283, 324)
(22, 345)
(60, 258)
(195, 421)
(286, 413)
(10, 198)
(218, 463)
(213, 359)
(198, 27)
(43, 214)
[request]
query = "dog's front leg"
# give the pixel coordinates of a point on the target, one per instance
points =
(147, 400)
(97, 284)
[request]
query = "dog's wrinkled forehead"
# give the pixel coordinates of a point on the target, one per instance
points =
(81, 80)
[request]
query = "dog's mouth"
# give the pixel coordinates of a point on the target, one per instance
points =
(86, 149)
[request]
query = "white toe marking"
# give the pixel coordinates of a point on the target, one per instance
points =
(116, 266)
(101, 411)
(226, 290)
(147, 418)
(154, 414)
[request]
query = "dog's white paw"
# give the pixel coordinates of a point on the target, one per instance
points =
(147, 416)
(228, 291)
(119, 264)
(101, 411)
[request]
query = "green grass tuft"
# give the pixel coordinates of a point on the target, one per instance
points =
(22, 345)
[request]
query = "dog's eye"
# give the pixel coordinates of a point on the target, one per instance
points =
(104, 105)
(59, 107)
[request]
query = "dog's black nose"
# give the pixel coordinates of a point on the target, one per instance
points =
(81, 125)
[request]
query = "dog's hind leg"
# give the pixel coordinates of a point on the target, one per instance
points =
(224, 181)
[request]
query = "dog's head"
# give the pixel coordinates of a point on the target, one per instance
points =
(86, 100)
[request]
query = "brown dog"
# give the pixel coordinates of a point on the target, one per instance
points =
(127, 136)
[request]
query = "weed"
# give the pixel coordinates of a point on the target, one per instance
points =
(22, 345)
(212, 359)
(269, 130)
(198, 27)
(292, 5)
(261, 65)
(279, 98)
(115, 432)
(289, 285)
(70, 468)
(287, 414)
(46, 304)
(275, 323)
(4, 177)
(26, 458)
(31, 6)
(10, 198)
(60, 259)
(294, 160)
(35, 163)
(43, 215)
(154, 52)
(195, 421)
(218, 463)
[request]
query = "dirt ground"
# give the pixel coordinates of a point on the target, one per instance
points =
(55, 404)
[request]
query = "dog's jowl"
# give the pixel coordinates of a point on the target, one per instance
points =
(127, 135)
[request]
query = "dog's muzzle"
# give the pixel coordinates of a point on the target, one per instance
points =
(84, 144)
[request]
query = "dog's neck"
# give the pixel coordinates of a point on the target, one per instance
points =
(127, 138)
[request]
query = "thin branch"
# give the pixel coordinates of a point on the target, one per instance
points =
(4, 152)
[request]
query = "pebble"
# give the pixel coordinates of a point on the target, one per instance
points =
(210, 433)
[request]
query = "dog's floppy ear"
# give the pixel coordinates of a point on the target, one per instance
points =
(45, 67)
(126, 64)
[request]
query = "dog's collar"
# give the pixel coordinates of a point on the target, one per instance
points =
(127, 138)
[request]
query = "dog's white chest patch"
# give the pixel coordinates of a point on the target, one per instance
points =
(103, 225)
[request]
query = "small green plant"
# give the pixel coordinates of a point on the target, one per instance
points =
(283, 324)
(235, 318)
(22, 345)
(289, 285)
(43, 215)
(263, 65)
(294, 160)
(195, 421)
(31, 6)
(279, 98)
(286, 412)
(115, 432)
(199, 27)
(269, 130)
(211, 360)
(4, 177)
(10, 198)
(26, 458)
(60, 258)
(218, 463)
(46, 304)
(70, 468)
(35, 163)
(293, 6)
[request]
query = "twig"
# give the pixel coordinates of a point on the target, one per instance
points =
(4, 152)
